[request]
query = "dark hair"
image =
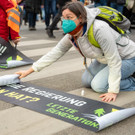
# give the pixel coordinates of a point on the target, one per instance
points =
(78, 9)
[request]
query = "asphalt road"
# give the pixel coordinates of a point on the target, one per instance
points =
(64, 75)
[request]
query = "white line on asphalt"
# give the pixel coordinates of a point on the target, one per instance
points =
(23, 37)
(57, 68)
(38, 52)
(35, 42)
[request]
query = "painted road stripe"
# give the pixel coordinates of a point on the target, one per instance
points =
(35, 42)
(41, 51)
(57, 68)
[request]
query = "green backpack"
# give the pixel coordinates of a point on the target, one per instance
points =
(114, 18)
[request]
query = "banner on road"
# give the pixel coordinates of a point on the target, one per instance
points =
(80, 111)
(10, 57)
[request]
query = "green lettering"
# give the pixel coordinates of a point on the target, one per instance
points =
(49, 104)
(62, 114)
(87, 122)
(64, 108)
(75, 118)
(51, 110)
(70, 116)
(59, 106)
(59, 113)
(96, 125)
(73, 111)
(81, 119)
(55, 105)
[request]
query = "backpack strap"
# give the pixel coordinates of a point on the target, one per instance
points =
(90, 33)
(91, 37)
(113, 17)
(111, 24)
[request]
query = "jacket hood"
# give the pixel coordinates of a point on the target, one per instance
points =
(91, 15)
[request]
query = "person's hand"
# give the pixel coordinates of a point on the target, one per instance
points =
(24, 73)
(107, 97)
(16, 41)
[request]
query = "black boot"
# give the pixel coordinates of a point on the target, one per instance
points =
(50, 33)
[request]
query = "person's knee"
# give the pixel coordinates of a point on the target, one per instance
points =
(97, 87)
(85, 81)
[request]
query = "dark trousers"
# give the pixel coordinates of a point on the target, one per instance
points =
(32, 19)
(132, 18)
(56, 19)
(50, 8)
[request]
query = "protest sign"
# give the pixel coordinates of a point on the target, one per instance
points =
(80, 111)
(11, 57)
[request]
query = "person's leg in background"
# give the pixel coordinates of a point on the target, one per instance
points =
(30, 15)
(53, 7)
(47, 12)
(117, 6)
(97, 3)
(120, 8)
(100, 3)
(54, 23)
(25, 16)
(32, 20)
(132, 17)
(113, 5)
(103, 2)
(43, 13)
(54, 11)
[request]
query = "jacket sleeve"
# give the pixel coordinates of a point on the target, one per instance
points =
(108, 45)
(57, 52)
(14, 35)
(6, 4)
